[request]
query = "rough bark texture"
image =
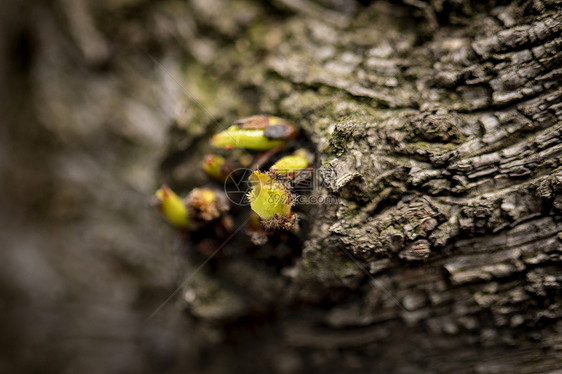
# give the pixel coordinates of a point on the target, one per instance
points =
(437, 123)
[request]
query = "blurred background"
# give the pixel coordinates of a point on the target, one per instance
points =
(85, 121)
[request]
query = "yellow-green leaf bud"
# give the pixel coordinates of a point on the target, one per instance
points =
(172, 207)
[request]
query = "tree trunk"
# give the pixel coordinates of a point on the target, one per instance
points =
(436, 125)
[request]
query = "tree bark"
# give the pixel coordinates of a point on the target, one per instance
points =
(437, 125)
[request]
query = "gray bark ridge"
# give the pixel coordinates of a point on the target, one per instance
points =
(444, 150)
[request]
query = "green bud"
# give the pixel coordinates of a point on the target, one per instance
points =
(172, 207)
(272, 201)
(291, 164)
(217, 167)
(260, 132)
